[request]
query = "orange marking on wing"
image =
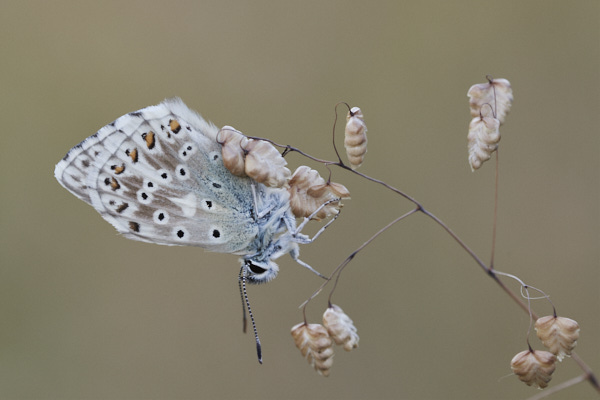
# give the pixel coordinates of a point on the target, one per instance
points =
(174, 125)
(133, 154)
(114, 184)
(150, 139)
(119, 169)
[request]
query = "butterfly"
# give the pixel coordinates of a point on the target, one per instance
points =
(157, 176)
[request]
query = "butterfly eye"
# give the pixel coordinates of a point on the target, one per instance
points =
(255, 268)
(261, 272)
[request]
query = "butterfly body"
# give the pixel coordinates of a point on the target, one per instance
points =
(157, 176)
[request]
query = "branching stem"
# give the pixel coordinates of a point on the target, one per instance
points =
(589, 374)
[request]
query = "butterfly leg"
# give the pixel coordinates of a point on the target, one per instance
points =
(258, 214)
(303, 239)
(295, 253)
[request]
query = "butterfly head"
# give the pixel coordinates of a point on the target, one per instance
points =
(261, 271)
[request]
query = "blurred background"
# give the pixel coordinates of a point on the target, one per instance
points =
(88, 314)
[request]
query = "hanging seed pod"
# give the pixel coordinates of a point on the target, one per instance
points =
(336, 189)
(315, 345)
(355, 137)
(496, 95)
(534, 367)
(308, 191)
(483, 138)
(232, 141)
(340, 327)
(558, 334)
(265, 165)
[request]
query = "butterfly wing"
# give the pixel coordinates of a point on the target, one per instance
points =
(157, 176)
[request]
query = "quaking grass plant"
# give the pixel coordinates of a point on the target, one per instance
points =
(314, 198)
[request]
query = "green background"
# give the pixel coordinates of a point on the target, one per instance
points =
(88, 314)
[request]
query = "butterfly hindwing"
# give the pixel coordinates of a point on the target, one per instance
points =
(156, 175)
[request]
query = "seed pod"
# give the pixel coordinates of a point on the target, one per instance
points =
(315, 345)
(337, 189)
(558, 334)
(265, 165)
(496, 95)
(355, 137)
(231, 141)
(483, 139)
(340, 327)
(309, 191)
(534, 367)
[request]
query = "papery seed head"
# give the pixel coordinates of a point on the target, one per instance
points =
(308, 191)
(483, 138)
(337, 189)
(340, 327)
(558, 334)
(534, 367)
(316, 346)
(265, 165)
(496, 95)
(233, 154)
(355, 137)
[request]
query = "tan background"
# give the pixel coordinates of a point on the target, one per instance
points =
(87, 314)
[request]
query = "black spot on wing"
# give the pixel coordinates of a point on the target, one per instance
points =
(122, 207)
(134, 226)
